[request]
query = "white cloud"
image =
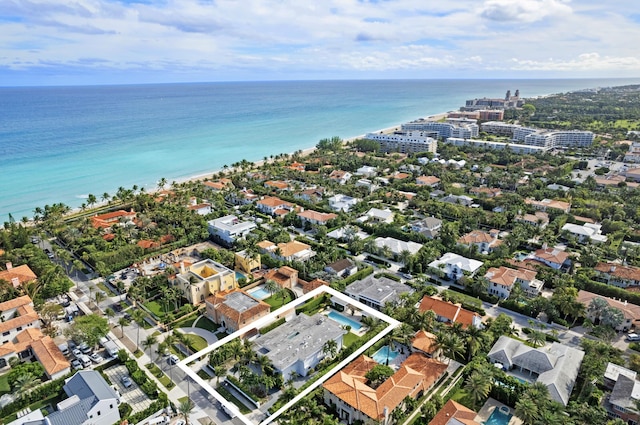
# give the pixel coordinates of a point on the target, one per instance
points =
(340, 37)
(523, 11)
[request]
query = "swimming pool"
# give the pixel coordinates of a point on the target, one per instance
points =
(343, 320)
(240, 276)
(259, 292)
(498, 418)
(382, 355)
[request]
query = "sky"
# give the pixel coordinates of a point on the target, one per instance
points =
(52, 42)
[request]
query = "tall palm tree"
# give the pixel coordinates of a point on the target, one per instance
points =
(330, 348)
(451, 344)
(149, 343)
(272, 286)
(527, 410)
(122, 322)
(138, 316)
(478, 385)
(24, 383)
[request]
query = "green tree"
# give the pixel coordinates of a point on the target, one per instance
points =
(378, 374)
(185, 408)
(88, 329)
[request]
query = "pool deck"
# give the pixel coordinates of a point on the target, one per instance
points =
(489, 407)
(355, 317)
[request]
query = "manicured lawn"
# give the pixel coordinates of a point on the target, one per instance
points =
(349, 339)
(275, 301)
(465, 298)
(462, 397)
(4, 384)
(185, 323)
(155, 307)
(226, 394)
(105, 289)
(164, 379)
(197, 342)
(205, 323)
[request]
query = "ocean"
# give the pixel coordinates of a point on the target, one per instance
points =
(59, 144)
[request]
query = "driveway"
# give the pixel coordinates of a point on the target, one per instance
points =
(210, 337)
(132, 395)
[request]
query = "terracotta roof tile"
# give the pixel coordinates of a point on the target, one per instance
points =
(23, 273)
(454, 410)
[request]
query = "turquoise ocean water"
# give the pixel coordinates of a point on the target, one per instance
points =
(58, 144)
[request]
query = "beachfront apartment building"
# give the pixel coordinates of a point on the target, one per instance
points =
(229, 228)
(548, 139)
(462, 128)
(404, 142)
(199, 280)
(298, 344)
(498, 128)
(486, 144)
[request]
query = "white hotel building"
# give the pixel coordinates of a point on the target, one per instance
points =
(465, 129)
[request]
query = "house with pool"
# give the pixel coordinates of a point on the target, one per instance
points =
(235, 309)
(298, 344)
(555, 366)
(352, 397)
(374, 292)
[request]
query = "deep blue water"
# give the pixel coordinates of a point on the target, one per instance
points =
(58, 144)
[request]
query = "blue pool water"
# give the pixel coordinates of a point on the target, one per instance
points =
(240, 275)
(343, 320)
(382, 355)
(498, 418)
(259, 293)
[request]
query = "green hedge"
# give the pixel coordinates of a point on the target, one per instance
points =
(271, 326)
(312, 304)
(611, 291)
(244, 389)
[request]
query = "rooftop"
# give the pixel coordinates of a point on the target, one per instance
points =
(381, 290)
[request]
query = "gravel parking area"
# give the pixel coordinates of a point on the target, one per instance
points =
(132, 395)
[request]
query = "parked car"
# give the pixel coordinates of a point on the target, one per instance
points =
(633, 337)
(173, 359)
(75, 363)
(49, 253)
(76, 352)
(96, 358)
(84, 347)
(126, 381)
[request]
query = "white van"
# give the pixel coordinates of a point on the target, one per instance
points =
(85, 360)
(64, 349)
(159, 420)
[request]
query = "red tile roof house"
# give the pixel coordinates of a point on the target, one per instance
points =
(549, 204)
(315, 217)
(219, 185)
(431, 181)
(486, 242)
(426, 343)
(17, 276)
(276, 184)
(105, 221)
(235, 309)
(350, 395)
(450, 313)
(631, 312)
(272, 205)
(288, 251)
(552, 257)
(502, 279)
(286, 277)
(620, 275)
(340, 176)
(453, 413)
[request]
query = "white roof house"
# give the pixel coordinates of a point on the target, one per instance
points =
(348, 232)
(455, 265)
(229, 228)
(586, 232)
(339, 202)
(377, 215)
(367, 170)
(556, 366)
(397, 246)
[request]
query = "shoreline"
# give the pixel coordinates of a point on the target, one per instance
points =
(258, 163)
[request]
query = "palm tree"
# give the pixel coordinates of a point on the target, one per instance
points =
(330, 348)
(527, 410)
(138, 316)
(272, 286)
(451, 344)
(537, 338)
(24, 383)
(122, 322)
(185, 408)
(149, 342)
(475, 339)
(478, 385)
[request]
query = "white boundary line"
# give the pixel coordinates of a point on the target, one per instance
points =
(270, 318)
